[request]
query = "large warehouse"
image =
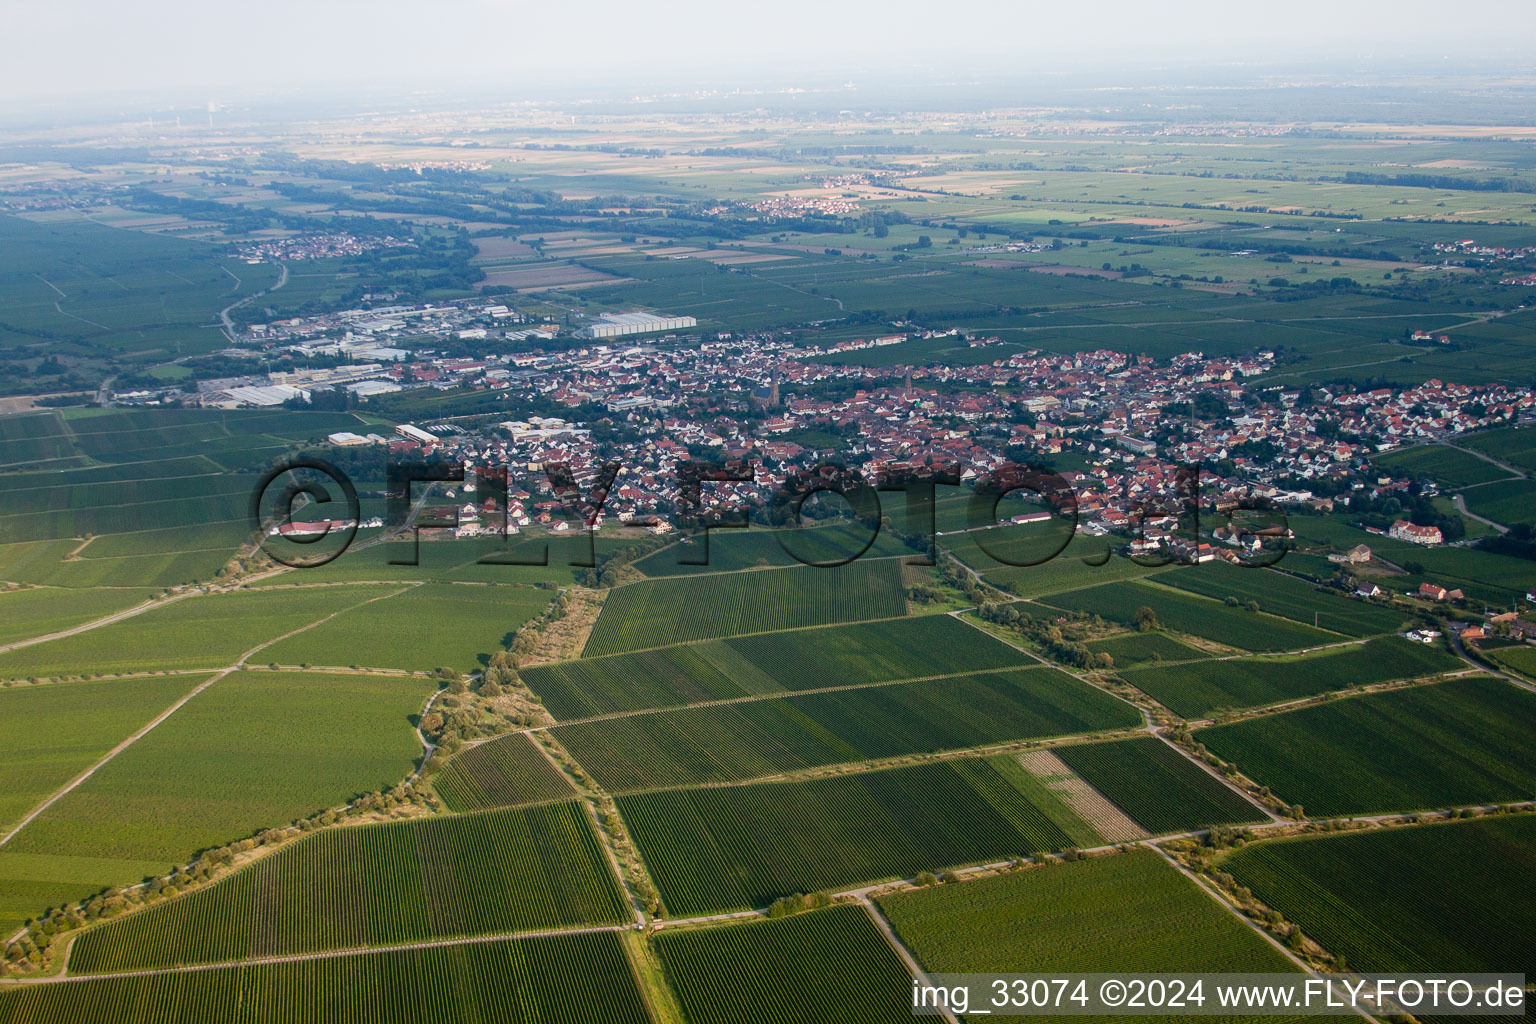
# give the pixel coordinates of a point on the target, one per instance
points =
(614, 325)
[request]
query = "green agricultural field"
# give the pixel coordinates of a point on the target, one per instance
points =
(810, 968)
(1397, 900)
(755, 738)
(1505, 501)
(1466, 741)
(556, 979)
(477, 560)
(1280, 594)
(1514, 445)
(731, 550)
(1160, 788)
(54, 564)
(202, 631)
(738, 847)
(1452, 468)
(1521, 659)
(38, 611)
(916, 647)
(49, 734)
(503, 772)
(1200, 690)
(378, 885)
(254, 750)
(1131, 650)
(1131, 912)
(1082, 564)
(435, 625)
(661, 612)
(1198, 616)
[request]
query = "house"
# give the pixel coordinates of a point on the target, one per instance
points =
(1473, 633)
(1414, 534)
(1367, 590)
(1432, 591)
(1356, 555)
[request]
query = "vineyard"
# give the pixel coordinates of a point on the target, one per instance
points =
(1280, 594)
(436, 625)
(811, 968)
(1198, 616)
(801, 659)
(732, 550)
(1466, 741)
(1398, 900)
(738, 847)
(1198, 690)
(503, 772)
(560, 979)
(199, 632)
(666, 677)
(254, 749)
(657, 613)
(96, 716)
(1157, 786)
(1130, 912)
(377, 885)
(750, 739)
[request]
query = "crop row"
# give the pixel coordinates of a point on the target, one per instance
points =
(559, 979)
(504, 772)
(1458, 742)
(656, 613)
(749, 739)
(1452, 897)
(804, 659)
(378, 885)
(1280, 594)
(737, 847)
(1214, 620)
(1194, 691)
(826, 965)
(1161, 789)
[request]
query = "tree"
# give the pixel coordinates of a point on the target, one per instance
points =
(1145, 619)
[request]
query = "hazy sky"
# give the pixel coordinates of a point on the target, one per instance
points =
(106, 47)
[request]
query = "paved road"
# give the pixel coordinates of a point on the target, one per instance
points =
(1460, 504)
(224, 318)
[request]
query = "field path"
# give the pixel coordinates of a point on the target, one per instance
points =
(901, 950)
(168, 712)
(1249, 922)
(105, 620)
(226, 324)
(1460, 504)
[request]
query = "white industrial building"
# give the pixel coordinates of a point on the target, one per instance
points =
(614, 325)
(275, 394)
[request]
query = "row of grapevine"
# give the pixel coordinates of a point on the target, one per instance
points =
(1452, 897)
(736, 847)
(562, 979)
(1160, 788)
(657, 613)
(1466, 741)
(502, 871)
(826, 965)
(802, 659)
(1199, 616)
(749, 739)
(504, 772)
(1196, 690)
